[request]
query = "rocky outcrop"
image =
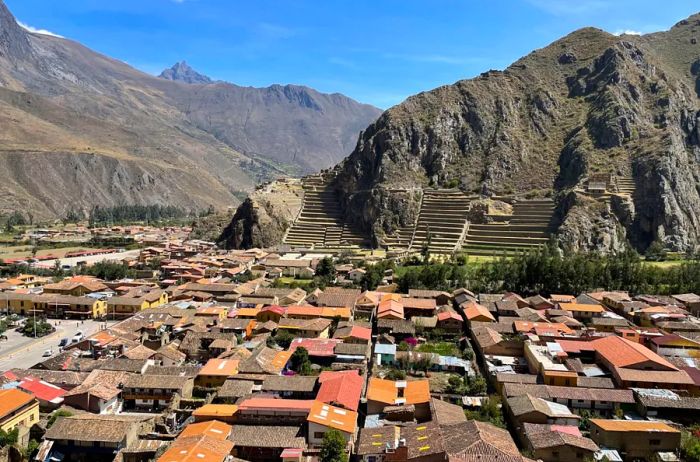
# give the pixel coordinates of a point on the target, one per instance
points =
(183, 72)
(588, 105)
(264, 217)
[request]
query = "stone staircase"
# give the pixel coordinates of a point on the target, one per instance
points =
(528, 227)
(442, 221)
(401, 239)
(320, 221)
(625, 185)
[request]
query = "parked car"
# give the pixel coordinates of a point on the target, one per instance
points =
(48, 352)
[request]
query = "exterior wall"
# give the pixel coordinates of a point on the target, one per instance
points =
(636, 444)
(210, 381)
(27, 417)
(316, 432)
(560, 453)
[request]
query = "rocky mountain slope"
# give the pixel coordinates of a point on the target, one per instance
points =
(183, 72)
(587, 105)
(79, 129)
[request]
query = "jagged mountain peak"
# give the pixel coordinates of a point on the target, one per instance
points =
(183, 72)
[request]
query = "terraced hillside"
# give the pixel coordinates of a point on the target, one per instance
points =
(320, 221)
(442, 221)
(529, 226)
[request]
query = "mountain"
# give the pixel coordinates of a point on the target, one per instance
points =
(80, 129)
(182, 72)
(590, 107)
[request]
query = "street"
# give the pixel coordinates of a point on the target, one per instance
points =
(23, 352)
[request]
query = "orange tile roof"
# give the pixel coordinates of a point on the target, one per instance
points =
(621, 352)
(197, 449)
(12, 400)
(578, 307)
(333, 417)
(613, 425)
(216, 410)
(247, 312)
(473, 310)
(280, 359)
(217, 366)
(387, 391)
(390, 308)
(527, 326)
(275, 403)
(212, 428)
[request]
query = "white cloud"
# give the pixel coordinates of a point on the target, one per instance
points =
(34, 30)
(626, 32)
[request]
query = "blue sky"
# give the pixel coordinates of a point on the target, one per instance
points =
(376, 51)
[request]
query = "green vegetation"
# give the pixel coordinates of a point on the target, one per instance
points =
(40, 327)
(333, 447)
(441, 348)
(548, 270)
(108, 270)
(282, 339)
(56, 414)
(299, 361)
(9, 438)
(690, 444)
(466, 385)
(490, 412)
(374, 274)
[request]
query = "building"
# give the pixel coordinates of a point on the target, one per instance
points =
(154, 391)
(17, 408)
(215, 372)
(341, 389)
(201, 448)
(220, 412)
(68, 306)
(324, 417)
(388, 393)
(554, 443)
(635, 439)
(89, 437)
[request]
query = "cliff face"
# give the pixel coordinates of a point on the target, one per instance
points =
(587, 104)
(263, 218)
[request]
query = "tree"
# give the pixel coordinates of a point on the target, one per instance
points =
(690, 444)
(56, 414)
(333, 447)
(299, 361)
(283, 339)
(656, 252)
(326, 269)
(9, 438)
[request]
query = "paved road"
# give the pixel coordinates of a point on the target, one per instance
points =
(23, 352)
(73, 261)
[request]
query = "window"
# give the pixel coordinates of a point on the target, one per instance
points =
(319, 435)
(579, 455)
(654, 442)
(555, 454)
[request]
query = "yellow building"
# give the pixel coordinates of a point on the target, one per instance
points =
(17, 408)
(16, 303)
(124, 307)
(60, 306)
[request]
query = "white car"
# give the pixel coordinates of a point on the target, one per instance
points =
(48, 352)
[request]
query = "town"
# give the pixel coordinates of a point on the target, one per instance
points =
(196, 353)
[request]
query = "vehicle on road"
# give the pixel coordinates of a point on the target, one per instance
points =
(64, 341)
(48, 352)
